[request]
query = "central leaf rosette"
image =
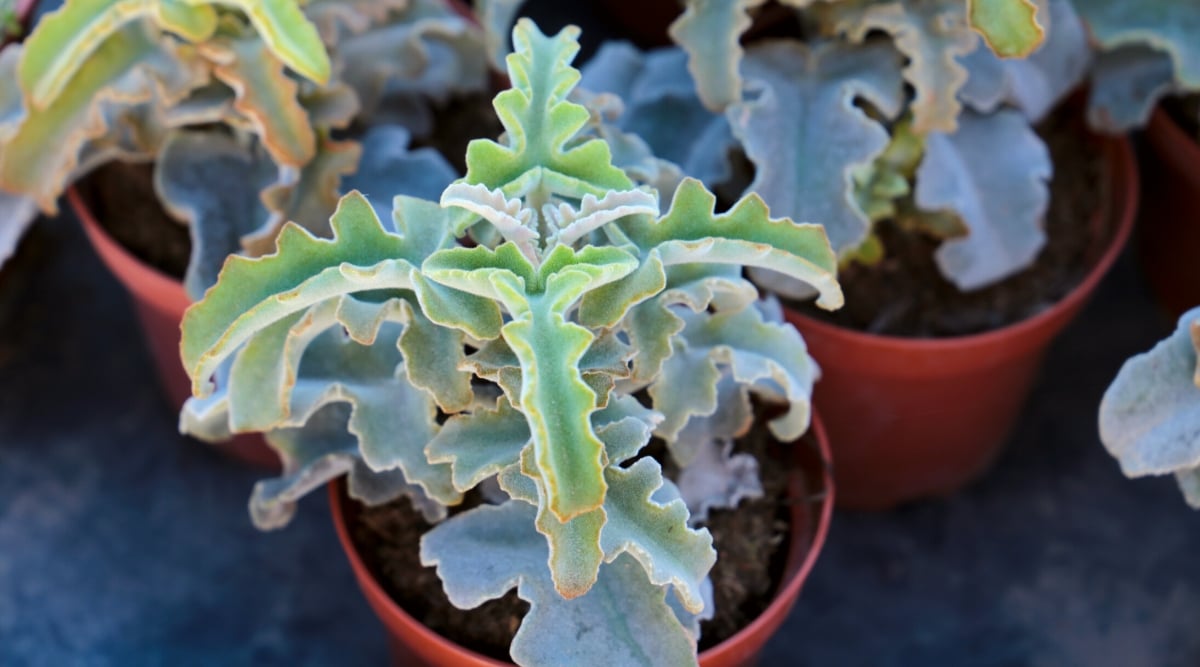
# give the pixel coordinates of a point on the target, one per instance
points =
(578, 293)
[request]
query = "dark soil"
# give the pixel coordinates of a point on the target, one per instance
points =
(1185, 110)
(906, 295)
(750, 562)
(122, 198)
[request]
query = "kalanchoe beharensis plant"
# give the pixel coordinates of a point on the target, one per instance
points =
(424, 367)
(1150, 415)
(876, 109)
(1148, 49)
(240, 104)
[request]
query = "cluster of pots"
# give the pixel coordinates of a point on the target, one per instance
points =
(900, 418)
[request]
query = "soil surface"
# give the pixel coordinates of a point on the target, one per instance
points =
(750, 540)
(122, 198)
(906, 295)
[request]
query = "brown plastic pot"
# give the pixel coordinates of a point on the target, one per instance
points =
(811, 497)
(1169, 233)
(913, 418)
(160, 300)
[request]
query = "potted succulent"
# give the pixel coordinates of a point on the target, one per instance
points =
(928, 158)
(502, 358)
(230, 117)
(1149, 54)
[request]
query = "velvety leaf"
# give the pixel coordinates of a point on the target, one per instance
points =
(767, 356)
(993, 174)
(1010, 27)
(267, 96)
(710, 32)
(1127, 84)
(496, 17)
(805, 135)
(283, 26)
(718, 479)
(253, 293)
(319, 453)
(1150, 414)
(622, 620)
(655, 534)
(746, 235)
(481, 443)
(66, 39)
(213, 182)
(1034, 84)
(428, 49)
(308, 197)
(539, 122)
(1162, 25)
(389, 168)
(134, 66)
(932, 34)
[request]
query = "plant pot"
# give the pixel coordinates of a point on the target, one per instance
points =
(811, 499)
(160, 300)
(912, 418)
(1169, 234)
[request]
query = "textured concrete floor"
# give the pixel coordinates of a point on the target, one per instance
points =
(122, 543)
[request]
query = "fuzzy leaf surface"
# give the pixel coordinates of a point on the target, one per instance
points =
(1150, 415)
(804, 133)
(992, 173)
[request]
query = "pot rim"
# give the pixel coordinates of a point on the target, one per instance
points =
(1126, 189)
(776, 611)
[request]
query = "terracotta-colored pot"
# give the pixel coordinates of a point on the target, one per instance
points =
(912, 418)
(1169, 233)
(160, 300)
(811, 497)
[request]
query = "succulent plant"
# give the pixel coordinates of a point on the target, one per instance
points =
(537, 326)
(237, 103)
(1148, 50)
(820, 116)
(1150, 415)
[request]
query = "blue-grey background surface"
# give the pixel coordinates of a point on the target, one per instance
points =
(122, 543)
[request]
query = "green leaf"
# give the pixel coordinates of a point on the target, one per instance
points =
(266, 96)
(746, 235)
(539, 122)
(309, 197)
(66, 40)
(252, 293)
(283, 26)
(41, 152)
(481, 443)
(1150, 414)
(1010, 27)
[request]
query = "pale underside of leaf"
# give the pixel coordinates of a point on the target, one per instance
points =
(992, 173)
(622, 620)
(806, 136)
(1150, 415)
(1163, 25)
